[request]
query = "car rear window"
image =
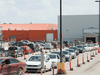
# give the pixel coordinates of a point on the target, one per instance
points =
(12, 48)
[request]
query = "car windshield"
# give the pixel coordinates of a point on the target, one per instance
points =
(12, 41)
(35, 58)
(72, 48)
(84, 45)
(1, 60)
(65, 52)
(52, 56)
(94, 44)
(71, 51)
(79, 46)
(88, 45)
(56, 53)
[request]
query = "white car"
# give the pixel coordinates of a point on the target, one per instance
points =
(86, 48)
(90, 48)
(34, 63)
(48, 45)
(96, 46)
(54, 58)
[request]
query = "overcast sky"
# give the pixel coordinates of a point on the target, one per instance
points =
(43, 11)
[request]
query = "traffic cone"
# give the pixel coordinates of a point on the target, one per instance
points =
(90, 56)
(49, 49)
(32, 53)
(70, 64)
(45, 50)
(53, 48)
(78, 65)
(93, 54)
(83, 59)
(87, 58)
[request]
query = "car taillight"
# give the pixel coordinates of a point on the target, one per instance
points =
(15, 52)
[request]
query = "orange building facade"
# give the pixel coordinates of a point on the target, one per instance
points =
(32, 32)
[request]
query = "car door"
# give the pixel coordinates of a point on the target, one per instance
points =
(6, 69)
(14, 65)
(48, 62)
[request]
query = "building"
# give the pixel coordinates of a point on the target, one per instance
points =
(79, 27)
(32, 32)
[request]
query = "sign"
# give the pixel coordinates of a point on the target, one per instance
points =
(75, 40)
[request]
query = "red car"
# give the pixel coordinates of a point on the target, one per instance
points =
(27, 49)
(11, 66)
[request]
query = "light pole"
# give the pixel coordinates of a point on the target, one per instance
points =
(60, 31)
(99, 20)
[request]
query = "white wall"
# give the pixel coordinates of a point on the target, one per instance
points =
(75, 24)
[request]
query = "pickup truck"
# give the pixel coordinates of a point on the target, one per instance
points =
(14, 50)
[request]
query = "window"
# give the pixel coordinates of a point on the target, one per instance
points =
(14, 61)
(7, 61)
(12, 36)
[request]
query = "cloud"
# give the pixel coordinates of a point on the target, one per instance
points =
(43, 11)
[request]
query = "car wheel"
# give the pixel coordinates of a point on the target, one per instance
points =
(20, 71)
(44, 70)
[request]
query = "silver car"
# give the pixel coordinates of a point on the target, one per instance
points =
(72, 52)
(48, 45)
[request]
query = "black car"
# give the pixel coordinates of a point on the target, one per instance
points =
(66, 43)
(80, 48)
(31, 45)
(18, 44)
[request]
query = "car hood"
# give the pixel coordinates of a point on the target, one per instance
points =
(53, 60)
(33, 63)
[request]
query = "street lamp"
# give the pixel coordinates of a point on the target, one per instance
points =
(60, 31)
(99, 20)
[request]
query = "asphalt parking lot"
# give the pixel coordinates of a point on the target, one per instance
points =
(89, 68)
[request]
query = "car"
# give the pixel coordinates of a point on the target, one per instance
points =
(31, 45)
(18, 44)
(72, 52)
(11, 66)
(76, 49)
(33, 64)
(25, 41)
(54, 44)
(66, 43)
(80, 48)
(3, 52)
(15, 50)
(48, 46)
(90, 48)
(67, 55)
(54, 58)
(58, 52)
(10, 43)
(96, 46)
(86, 48)
(83, 43)
(26, 49)
(36, 48)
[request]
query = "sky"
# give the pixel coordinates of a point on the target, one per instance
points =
(43, 11)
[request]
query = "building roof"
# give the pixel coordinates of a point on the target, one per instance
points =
(29, 26)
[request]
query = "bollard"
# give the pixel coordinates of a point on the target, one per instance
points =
(41, 72)
(90, 56)
(87, 58)
(45, 50)
(49, 49)
(2, 54)
(63, 47)
(70, 64)
(24, 56)
(59, 47)
(93, 54)
(32, 53)
(53, 68)
(3, 46)
(98, 50)
(78, 65)
(83, 59)
(15, 53)
(53, 48)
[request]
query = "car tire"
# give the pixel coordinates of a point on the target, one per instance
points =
(20, 71)
(44, 70)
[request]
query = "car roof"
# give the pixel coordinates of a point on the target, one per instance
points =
(51, 54)
(69, 49)
(5, 57)
(56, 51)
